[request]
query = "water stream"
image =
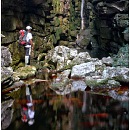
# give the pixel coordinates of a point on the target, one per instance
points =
(82, 15)
(74, 111)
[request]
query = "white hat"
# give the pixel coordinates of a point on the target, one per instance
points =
(28, 27)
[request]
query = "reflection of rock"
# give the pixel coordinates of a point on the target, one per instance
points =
(6, 113)
(120, 97)
(119, 110)
(72, 86)
(78, 85)
(61, 81)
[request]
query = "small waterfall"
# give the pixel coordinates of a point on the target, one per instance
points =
(82, 16)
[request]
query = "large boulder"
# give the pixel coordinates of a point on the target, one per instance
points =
(60, 55)
(6, 70)
(120, 74)
(85, 69)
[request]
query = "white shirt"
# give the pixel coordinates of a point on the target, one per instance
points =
(29, 36)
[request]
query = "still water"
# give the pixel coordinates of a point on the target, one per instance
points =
(74, 111)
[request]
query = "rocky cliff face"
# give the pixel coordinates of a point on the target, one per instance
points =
(53, 23)
(57, 22)
(109, 22)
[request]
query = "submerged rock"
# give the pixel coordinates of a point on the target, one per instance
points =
(61, 81)
(72, 86)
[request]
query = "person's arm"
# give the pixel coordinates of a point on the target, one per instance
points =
(31, 42)
(32, 48)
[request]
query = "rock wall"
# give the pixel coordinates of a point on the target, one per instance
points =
(108, 24)
(57, 22)
(54, 22)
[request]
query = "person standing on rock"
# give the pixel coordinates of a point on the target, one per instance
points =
(28, 46)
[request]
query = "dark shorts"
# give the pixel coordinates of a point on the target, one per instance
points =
(27, 51)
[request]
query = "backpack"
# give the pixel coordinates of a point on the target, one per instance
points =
(22, 37)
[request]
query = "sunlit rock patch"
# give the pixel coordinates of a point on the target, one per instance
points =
(24, 72)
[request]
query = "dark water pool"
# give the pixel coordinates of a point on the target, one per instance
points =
(75, 111)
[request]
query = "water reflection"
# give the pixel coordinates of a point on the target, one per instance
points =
(27, 107)
(75, 111)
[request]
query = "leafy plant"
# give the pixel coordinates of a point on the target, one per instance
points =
(122, 57)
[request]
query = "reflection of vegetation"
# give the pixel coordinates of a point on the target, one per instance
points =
(17, 93)
(57, 103)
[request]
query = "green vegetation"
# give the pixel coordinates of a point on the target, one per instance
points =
(122, 57)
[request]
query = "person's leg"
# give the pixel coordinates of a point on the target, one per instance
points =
(27, 56)
(28, 93)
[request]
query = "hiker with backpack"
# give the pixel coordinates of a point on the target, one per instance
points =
(25, 39)
(29, 45)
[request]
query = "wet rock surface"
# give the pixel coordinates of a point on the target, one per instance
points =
(6, 113)
(95, 72)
